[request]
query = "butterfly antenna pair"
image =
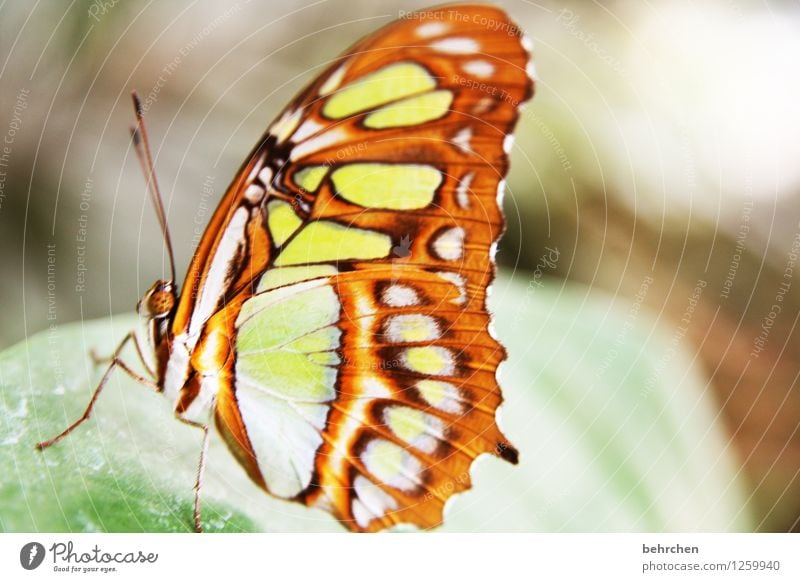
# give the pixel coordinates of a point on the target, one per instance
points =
(142, 145)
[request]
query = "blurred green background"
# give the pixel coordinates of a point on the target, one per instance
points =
(654, 184)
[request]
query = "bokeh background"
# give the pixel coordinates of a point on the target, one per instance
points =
(657, 167)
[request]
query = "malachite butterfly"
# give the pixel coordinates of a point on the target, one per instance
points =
(333, 323)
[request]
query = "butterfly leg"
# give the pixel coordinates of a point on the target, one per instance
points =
(201, 468)
(98, 359)
(115, 362)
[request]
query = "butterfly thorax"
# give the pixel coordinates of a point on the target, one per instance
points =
(157, 307)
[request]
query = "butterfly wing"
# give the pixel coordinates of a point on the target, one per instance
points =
(351, 330)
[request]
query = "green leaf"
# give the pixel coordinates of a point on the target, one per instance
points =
(616, 431)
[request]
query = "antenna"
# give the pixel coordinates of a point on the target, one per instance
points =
(142, 145)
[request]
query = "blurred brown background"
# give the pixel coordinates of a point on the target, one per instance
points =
(662, 144)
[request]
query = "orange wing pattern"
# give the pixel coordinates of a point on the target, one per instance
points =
(435, 414)
(381, 184)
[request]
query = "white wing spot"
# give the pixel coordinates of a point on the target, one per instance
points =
(286, 125)
(460, 284)
(256, 168)
(501, 192)
(462, 190)
(332, 83)
(530, 68)
(372, 387)
(412, 327)
(456, 46)
(492, 254)
(361, 513)
(508, 143)
(399, 296)
(420, 430)
(441, 395)
(317, 143)
(450, 244)
(480, 68)
(392, 465)
(265, 176)
(483, 105)
(375, 499)
(430, 29)
(527, 43)
(307, 129)
(429, 360)
(462, 139)
(254, 193)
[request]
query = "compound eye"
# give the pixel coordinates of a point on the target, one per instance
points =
(159, 300)
(160, 303)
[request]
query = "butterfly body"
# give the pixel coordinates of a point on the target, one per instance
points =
(333, 322)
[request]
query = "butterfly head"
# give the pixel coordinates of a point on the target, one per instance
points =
(159, 300)
(157, 306)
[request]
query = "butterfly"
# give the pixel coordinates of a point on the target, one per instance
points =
(332, 325)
